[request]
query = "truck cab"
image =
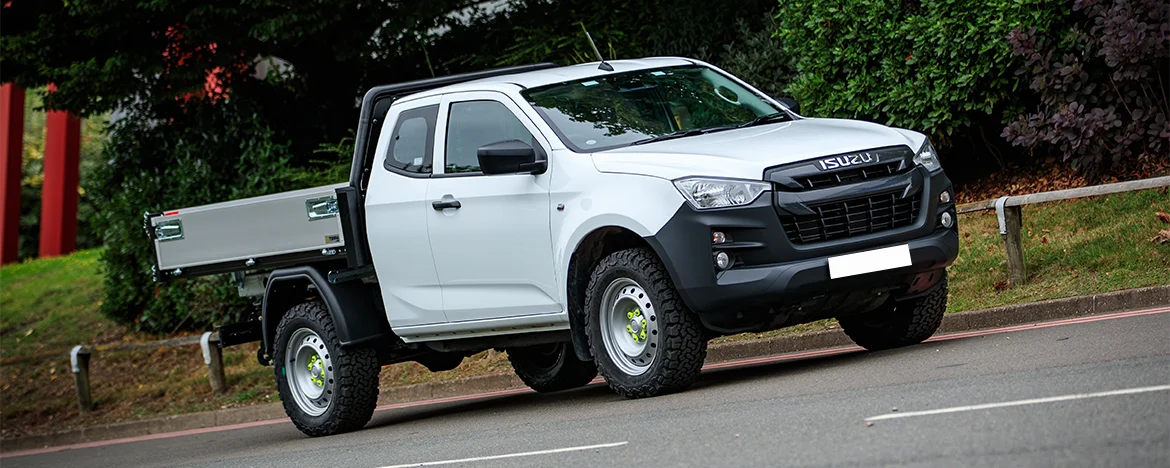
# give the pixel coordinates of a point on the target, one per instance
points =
(592, 220)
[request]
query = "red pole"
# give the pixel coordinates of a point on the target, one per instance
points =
(11, 144)
(59, 193)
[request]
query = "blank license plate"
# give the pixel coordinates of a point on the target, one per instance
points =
(868, 262)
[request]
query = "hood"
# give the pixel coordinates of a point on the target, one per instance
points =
(745, 153)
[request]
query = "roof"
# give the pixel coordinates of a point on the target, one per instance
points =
(532, 79)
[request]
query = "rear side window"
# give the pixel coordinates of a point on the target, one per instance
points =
(473, 124)
(413, 141)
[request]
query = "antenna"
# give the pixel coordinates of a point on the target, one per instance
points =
(604, 66)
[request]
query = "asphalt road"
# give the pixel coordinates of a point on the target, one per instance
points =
(1111, 379)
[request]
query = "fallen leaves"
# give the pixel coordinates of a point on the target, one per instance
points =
(1000, 285)
(1052, 175)
(1163, 237)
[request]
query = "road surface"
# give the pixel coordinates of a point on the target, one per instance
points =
(1082, 392)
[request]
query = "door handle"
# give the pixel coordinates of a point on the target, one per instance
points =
(441, 205)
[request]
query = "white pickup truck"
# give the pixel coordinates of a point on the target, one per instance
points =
(585, 218)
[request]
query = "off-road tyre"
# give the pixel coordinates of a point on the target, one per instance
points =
(902, 323)
(354, 387)
(681, 347)
(550, 367)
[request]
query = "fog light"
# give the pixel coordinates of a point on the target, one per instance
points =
(946, 219)
(944, 197)
(718, 237)
(722, 260)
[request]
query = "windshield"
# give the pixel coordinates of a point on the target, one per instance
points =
(616, 110)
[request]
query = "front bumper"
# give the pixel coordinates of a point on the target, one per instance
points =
(776, 282)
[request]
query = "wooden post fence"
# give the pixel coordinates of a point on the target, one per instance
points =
(1009, 210)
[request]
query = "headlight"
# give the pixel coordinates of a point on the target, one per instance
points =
(719, 193)
(927, 157)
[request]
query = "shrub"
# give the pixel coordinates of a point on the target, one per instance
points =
(758, 56)
(934, 66)
(202, 155)
(1102, 82)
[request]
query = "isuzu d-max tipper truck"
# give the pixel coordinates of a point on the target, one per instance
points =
(585, 219)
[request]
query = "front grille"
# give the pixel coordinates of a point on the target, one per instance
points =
(838, 220)
(847, 176)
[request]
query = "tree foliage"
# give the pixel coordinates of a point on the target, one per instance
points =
(1103, 83)
(757, 55)
(934, 65)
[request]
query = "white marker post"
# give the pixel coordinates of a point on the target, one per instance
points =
(213, 357)
(79, 360)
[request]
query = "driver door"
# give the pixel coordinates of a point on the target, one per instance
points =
(493, 253)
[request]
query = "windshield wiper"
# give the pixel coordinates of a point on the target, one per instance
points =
(765, 119)
(682, 133)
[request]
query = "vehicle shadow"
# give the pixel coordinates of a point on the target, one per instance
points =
(755, 371)
(596, 392)
(599, 393)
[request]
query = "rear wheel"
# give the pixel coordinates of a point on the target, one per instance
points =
(643, 338)
(898, 324)
(551, 367)
(325, 388)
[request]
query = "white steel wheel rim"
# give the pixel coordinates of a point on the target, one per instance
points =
(629, 326)
(309, 371)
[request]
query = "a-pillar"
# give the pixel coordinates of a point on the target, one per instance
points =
(11, 144)
(59, 195)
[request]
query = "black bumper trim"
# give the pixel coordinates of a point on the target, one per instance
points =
(770, 275)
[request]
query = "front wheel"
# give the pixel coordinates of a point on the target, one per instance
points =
(645, 341)
(899, 324)
(551, 367)
(326, 389)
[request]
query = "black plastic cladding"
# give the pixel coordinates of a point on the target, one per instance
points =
(356, 307)
(796, 177)
(770, 269)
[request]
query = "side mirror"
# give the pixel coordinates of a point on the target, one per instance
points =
(510, 157)
(791, 104)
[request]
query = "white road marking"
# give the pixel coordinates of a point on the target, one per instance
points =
(512, 455)
(1078, 396)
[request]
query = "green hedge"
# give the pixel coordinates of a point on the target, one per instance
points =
(934, 66)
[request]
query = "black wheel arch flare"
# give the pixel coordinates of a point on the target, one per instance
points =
(356, 307)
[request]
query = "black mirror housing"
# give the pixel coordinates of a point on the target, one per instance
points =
(510, 157)
(791, 104)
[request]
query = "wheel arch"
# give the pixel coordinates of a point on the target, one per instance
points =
(355, 307)
(588, 252)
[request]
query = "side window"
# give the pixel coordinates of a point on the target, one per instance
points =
(412, 143)
(473, 124)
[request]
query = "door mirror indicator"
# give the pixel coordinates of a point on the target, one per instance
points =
(510, 157)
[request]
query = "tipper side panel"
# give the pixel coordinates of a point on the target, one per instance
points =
(253, 233)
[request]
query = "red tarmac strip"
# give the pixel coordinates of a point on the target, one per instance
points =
(518, 391)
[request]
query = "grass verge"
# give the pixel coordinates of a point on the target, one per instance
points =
(1072, 248)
